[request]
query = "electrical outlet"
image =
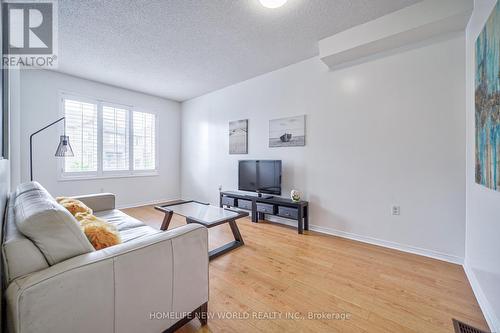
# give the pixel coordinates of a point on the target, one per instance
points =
(396, 210)
(102, 189)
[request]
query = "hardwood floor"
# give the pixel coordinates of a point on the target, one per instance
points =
(279, 272)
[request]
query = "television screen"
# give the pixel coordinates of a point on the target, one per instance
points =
(261, 176)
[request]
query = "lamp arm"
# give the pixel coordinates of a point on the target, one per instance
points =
(31, 142)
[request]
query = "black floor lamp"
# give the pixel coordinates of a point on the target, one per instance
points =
(63, 150)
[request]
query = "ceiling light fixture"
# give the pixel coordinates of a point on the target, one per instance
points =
(273, 3)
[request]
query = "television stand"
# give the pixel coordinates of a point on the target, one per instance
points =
(270, 205)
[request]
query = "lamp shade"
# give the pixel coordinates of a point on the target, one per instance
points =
(64, 148)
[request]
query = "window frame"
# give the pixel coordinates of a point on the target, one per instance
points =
(100, 173)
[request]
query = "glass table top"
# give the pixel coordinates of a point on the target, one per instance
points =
(206, 213)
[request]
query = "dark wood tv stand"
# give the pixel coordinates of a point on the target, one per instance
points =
(260, 206)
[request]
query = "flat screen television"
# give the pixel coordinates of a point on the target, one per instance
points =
(261, 176)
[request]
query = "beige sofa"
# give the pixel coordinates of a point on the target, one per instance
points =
(149, 283)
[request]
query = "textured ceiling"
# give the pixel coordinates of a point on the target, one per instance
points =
(180, 49)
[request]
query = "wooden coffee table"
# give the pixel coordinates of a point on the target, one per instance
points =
(209, 216)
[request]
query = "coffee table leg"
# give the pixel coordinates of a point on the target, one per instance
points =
(166, 220)
(238, 241)
(236, 231)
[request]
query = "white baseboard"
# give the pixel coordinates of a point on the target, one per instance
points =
(392, 245)
(144, 203)
(488, 312)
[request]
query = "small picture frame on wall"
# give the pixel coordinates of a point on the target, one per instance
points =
(238, 137)
(287, 132)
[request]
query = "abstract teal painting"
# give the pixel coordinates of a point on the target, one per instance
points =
(487, 102)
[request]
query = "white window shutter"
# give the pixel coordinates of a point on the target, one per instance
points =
(81, 127)
(115, 138)
(144, 140)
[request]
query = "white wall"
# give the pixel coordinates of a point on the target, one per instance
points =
(5, 164)
(40, 106)
(482, 255)
(389, 131)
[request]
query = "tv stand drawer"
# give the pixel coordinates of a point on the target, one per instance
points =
(288, 212)
(228, 201)
(245, 204)
(265, 208)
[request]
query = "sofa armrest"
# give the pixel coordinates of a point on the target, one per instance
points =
(117, 288)
(98, 202)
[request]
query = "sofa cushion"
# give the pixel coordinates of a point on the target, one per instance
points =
(128, 227)
(20, 256)
(49, 226)
(119, 219)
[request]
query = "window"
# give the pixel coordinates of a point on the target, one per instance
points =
(115, 141)
(81, 127)
(108, 139)
(144, 141)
